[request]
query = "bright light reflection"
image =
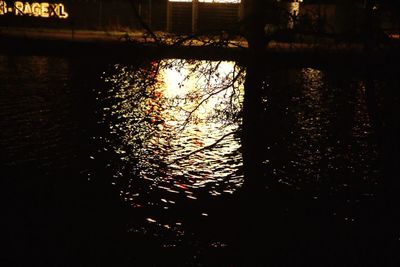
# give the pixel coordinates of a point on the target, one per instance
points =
(184, 84)
(197, 93)
(165, 128)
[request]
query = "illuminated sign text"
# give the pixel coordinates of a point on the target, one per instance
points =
(44, 10)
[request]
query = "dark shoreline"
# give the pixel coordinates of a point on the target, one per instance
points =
(107, 45)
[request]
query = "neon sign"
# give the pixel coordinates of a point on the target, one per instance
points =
(43, 10)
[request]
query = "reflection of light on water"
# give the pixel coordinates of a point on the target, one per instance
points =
(331, 141)
(190, 87)
(175, 131)
(311, 124)
(314, 79)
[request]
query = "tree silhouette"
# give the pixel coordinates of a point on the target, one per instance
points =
(270, 213)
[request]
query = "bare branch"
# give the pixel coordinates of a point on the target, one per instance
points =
(208, 96)
(144, 24)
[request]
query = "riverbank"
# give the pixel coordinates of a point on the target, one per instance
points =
(127, 43)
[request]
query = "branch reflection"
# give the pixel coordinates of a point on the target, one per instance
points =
(173, 128)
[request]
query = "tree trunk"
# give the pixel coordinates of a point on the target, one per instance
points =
(255, 229)
(256, 15)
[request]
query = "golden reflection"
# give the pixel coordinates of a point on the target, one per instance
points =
(174, 123)
(196, 90)
(333, 132)
(312, 124)
(361, 129)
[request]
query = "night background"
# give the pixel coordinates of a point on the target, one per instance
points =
(199, 133)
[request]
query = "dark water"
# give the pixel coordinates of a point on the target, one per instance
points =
(132, 164)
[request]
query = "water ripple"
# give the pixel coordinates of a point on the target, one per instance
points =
(174, 129)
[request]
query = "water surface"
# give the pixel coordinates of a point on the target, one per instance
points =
(157, 144)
